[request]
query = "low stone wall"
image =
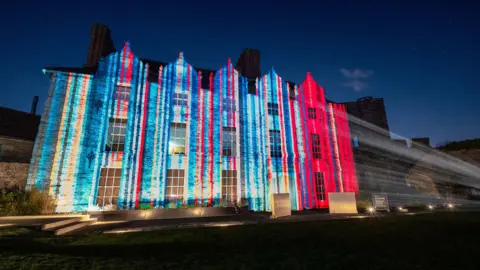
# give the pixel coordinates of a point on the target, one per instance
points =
(13, 174)
(15, 150)
(163, 213)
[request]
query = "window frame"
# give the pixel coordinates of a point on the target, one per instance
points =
(102, 187)
(122, 95)
(180, 99)
(229, 185)
(312, 113)
(316, 146)
(320, 187)
(273, 108)
(179, 141)
(232, 142)
(175, 181)
(275, 143)
(116, 140)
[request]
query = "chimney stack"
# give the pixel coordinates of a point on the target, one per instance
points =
(248, 63)
(34, 105)
(101, 44)
(422, 141)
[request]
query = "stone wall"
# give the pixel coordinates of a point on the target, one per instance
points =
(15, 157)
(471, 156)
(15, 150)
(13, 174)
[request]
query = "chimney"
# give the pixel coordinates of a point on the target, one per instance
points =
(34, 105)
(422, 141)
(101, 44)
(248, 63)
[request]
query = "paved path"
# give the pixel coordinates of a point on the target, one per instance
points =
(237, 220)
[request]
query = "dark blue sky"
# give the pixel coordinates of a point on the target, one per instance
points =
(420, 56)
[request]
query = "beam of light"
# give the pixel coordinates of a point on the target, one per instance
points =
(409, 174)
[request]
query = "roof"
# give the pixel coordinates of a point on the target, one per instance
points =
(152, 73)
(82, 70)
(18, 124)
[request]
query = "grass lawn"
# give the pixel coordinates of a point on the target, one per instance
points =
(432, 241)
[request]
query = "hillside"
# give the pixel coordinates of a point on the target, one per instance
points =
(460, 145)
(466, 150)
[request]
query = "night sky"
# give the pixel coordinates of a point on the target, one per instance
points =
(420, 56)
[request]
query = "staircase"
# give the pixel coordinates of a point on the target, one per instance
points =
(69, 226)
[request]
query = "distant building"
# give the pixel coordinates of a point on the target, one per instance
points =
(17, 135)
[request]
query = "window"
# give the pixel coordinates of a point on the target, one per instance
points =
(272, 108)
(117, 130)
(229, 185)
(122, 93)
(229, 140)
(320, 186)
(177, 138)
(180, 99)
(275, 144)
(229, 104)
(252, 86)
(291, 91)
(175, 185)
(316, 146)
(108, 186)
(312, 114)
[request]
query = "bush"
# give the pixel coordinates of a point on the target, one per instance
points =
(459, 145)
(18, 202)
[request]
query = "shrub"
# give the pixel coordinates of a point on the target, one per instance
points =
(459, 145)
(15, 202)
(146, 206)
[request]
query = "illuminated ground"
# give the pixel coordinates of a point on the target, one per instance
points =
(431, 241)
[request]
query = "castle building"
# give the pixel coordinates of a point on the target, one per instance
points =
(124, 132)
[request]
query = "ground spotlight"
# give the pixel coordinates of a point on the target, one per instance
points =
(450, 205)
(430, 207)
(371, 209)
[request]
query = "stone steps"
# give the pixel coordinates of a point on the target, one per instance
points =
(62, 223)
(71, 228)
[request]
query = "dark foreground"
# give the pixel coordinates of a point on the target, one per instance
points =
(431, 241)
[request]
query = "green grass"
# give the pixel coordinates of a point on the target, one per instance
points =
(434, 241)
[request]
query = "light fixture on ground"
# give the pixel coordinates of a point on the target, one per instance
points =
(450, 206)
(370, 209)
(430, 207)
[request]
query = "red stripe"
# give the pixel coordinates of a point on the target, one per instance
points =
(269, 158)
(200, 139)
(327, 168)
(221, 124)
(234, 112)
(188, 87)
(129, 67)
(282, 130)
(210, 139)
(307, 144)
(330, 174)
(142, 143)
(295, 150)
(122, 72)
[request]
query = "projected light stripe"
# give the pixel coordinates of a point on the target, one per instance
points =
(71, 150)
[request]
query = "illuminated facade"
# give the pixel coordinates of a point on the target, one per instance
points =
(120, 138)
